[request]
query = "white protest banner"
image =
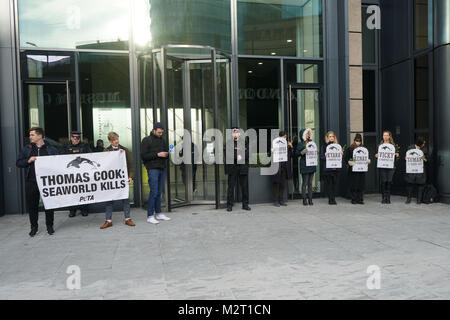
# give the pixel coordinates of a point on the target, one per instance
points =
(280, 150)
(361, 159)
(414, 161)
(334, 156)
(69, 180)
(386, 156)
(311, 154)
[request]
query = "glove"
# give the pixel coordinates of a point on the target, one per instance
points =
(369, 161)
(304, 151)
(351, 163)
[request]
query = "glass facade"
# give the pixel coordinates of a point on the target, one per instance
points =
(280, 28)
(90, 85)
(74, 24)
(423, 24)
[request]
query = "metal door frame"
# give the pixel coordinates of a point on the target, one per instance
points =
(186, 110)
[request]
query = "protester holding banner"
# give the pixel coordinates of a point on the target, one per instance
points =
(307, 168)
(77, 147)
(154, 154)
(113, 139)
(353, 155)
(330, 174)
(281, 145)
(387, 152)
(416, 155)
(26, 159)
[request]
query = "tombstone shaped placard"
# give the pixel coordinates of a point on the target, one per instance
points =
(334, 156)
(361, 159)
(280, 150)
(311, 154)
(414, 161)
(386, 156)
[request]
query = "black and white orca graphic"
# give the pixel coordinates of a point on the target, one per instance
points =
(77, 162)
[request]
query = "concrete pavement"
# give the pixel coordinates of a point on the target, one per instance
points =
(318, 252)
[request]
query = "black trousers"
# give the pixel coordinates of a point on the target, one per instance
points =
(307, 181)
(243, 183)
(32, 197)
(357, 181)
(410, 188)
(279, 187)
(330, 179)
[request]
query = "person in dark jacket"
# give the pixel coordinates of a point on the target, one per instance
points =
(387, 175)
(237, 169)
(100, 146)
(154, 154)
(26, 159)
(417, 180)
(306, 172)
(329, 176)
(357, 180)
(284, 173)
(194, 154)
(76, 146)
(113, 139)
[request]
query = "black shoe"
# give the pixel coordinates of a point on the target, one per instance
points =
(72, 214)
(419, 202)
(50, 230)
(84, 214)
(333, 202)
(275, 204)
(310, 202)
(283, 204)
(354, 202)
(229, 209)
(360, 202)
(305, 202)
(246, 208)
(388, 199)
(33, 232)
(408, 200)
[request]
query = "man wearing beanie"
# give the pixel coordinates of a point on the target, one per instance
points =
(154, 154)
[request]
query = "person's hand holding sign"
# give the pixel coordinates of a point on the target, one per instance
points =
(32, 159)
(163, 154)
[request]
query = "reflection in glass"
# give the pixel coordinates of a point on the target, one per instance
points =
(105, 98)
(280, 27)
(82, 24)
(423, 23)
(302, 73)
(195, 22)
(49, 66)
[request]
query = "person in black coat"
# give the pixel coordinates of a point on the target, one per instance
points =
(284, 173)
(329, 176)
(306, 172)
(76, 146)
(357, 180)
(26, 159)
(417, 180)
(387, 175)
(236, 167)
(154, 154)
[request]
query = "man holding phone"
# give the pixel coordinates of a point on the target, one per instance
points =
(154, 154)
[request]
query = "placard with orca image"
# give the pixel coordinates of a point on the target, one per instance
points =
(414, 161)
(386, 156)
(311, 154)
(334, 156)
(280, 150)
(361, 159)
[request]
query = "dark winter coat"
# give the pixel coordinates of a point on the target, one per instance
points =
(416, 178)
(287, 165)
(32, 150)
(348, 154)
(300, 147)
(75, 149)
(130, 166)
(323, 161)
(235, 168)
(150, 147)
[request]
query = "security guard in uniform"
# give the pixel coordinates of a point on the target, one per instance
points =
(76, 146)
(238, 169)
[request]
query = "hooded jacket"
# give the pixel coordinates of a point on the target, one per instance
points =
(300, 147)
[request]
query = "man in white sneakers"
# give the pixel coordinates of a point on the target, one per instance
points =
(154, 154)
